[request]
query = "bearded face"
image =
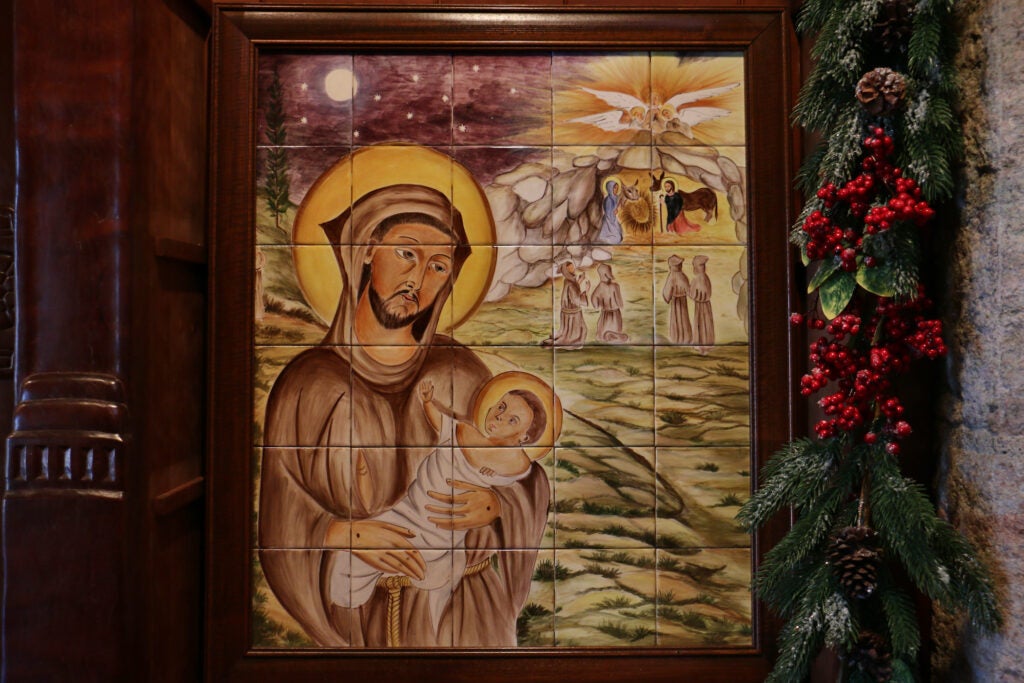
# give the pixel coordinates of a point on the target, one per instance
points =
(408, 269)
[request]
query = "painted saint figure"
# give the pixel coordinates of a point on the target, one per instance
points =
(345, 433)
(675, 217)
(572, 330)
(675, 292)
(611, 230)
(491, 455)
(607, 297)
(703, 317)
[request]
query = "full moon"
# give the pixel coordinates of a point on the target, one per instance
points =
(341, 85)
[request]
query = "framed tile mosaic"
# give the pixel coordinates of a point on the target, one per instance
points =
(499, 340)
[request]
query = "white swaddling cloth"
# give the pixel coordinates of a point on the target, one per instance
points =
(352, 581)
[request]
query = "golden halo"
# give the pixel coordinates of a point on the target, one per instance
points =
(604, 184)
(380, 166)
(501, 384)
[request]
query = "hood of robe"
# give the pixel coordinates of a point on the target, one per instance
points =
(675, 262)
(604, 271)
(349, 234)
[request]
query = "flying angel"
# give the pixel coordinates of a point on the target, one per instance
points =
(632, 113)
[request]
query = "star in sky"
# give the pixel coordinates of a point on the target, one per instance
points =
(303, 120)
(408, 115)
(415, 78)
(304, 87)
(462, 128)
(445, 98)
(476, 68)
(377, 97)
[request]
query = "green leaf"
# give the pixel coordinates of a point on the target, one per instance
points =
(824, 272)
(836, 293)
(877, 280)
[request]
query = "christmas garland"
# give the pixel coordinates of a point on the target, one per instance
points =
(880, 95)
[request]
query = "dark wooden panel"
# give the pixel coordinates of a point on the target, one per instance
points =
(168, 362)
(63, 539)
(65, 587)
(110, 102)
(509, 29)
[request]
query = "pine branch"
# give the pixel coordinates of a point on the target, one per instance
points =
(937, 558)
(900, 618)
(802, 636)
(814, 15)
(795, 476)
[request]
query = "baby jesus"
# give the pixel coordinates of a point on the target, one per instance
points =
(495, 453)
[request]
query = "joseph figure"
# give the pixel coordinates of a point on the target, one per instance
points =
(345, 433)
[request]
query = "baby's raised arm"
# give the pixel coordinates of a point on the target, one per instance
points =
(433, 413)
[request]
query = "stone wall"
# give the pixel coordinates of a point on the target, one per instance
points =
(982, 474)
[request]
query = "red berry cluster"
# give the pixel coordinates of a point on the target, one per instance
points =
(865, 199)
(863, 371)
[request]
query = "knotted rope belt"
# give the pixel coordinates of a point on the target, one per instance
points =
(394, 585)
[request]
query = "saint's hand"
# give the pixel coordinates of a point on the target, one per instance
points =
(426, 391)
(381, 545)
(477, 507)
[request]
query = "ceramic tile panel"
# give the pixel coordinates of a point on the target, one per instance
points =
(414, 179)
(698, 99)
(513, 186)
(703, 598)
(701, 195)
(296, 293)
(702, 398)
(620, 296)
(538, 278)
(516, 308)
(601, 99)
(269, 362)
(408, 417)
(272, 626)
(305, 100)
(403, 98)
(535, 625)
(607, 393)
(395, 516)
(284, 177)
(502, 99)
(701, 296)
(700, 490)
(605, 497)
(605, 598)
(317, 489)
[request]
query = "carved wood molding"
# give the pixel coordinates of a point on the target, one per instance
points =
(68, 435)
(7, 310)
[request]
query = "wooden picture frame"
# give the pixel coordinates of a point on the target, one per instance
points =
(762, 35)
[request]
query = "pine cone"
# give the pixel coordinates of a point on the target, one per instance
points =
(894, 24)
(855, 557)
(871, 655)
(881, 91)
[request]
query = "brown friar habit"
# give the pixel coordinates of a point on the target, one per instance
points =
(700, 292)
(333, 406)
(675, 291)
(607, 298)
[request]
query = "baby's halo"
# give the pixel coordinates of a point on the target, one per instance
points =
(501, 384)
